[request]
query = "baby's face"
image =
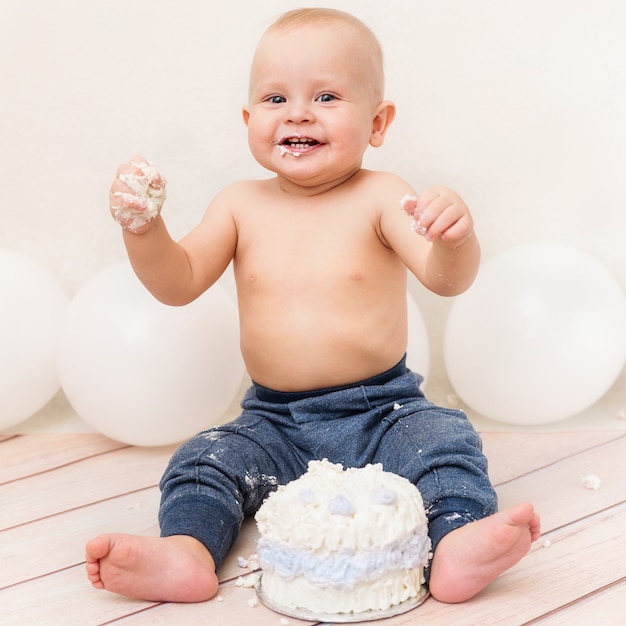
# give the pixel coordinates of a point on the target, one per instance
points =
(311, 105)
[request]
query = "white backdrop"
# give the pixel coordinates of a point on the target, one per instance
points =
(519, 106)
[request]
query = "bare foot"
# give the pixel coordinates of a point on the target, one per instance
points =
(469, 558)
(174, 569)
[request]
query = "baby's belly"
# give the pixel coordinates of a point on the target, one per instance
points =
(303, 353)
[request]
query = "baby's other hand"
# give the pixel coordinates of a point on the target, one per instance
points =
(137, 195)
(440, 213)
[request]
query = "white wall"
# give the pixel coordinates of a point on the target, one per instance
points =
(519, 105)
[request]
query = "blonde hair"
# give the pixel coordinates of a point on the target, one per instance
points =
(369, 46)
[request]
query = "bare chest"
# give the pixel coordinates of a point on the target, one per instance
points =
(307, 248)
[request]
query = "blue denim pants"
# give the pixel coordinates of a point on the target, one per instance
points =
(223, 474)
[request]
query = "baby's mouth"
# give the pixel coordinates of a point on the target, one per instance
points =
(295, 145)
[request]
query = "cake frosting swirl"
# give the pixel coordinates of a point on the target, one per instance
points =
(343, 541)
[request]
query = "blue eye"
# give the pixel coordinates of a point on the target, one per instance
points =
(326, 97)
(276, 100)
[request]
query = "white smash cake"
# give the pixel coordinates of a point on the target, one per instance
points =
(342, 542)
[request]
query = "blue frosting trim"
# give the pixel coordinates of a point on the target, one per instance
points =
(345, 568)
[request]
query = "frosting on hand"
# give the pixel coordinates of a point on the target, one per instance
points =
(145, 199)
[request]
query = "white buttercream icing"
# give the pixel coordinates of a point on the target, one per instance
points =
(145, 199)
(285, 148)
(341, 541)
(591, 481)
(409, 205)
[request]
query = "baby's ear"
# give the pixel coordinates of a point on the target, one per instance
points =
(385, 114)
(245, 112)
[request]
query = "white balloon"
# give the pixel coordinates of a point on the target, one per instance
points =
(539, 337)
(32, 307)
(418, 348)
(145, 373)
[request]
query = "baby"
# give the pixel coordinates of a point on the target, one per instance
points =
(320, 253)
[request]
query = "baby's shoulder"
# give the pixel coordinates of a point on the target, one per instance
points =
(378, 181)
(235, 197)
(380, 186)
(241, 189)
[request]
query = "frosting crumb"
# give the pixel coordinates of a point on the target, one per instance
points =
(409, 205)
(591, 481)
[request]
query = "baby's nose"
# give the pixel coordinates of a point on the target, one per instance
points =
(298, 112)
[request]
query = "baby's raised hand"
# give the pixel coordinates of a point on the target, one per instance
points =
(136, 195)
(439, 213)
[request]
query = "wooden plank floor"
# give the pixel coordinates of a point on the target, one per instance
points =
(56, 491)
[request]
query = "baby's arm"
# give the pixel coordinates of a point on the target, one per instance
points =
(174, 272)
(439, 244)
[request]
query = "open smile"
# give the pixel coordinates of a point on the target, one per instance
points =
(296, 144)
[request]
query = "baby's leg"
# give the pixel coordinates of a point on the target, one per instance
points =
(438, 450)
(468, 558)
(175, 569)
(211, 482)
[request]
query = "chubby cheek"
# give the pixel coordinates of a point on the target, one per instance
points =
(352, 134)
(261, 144)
